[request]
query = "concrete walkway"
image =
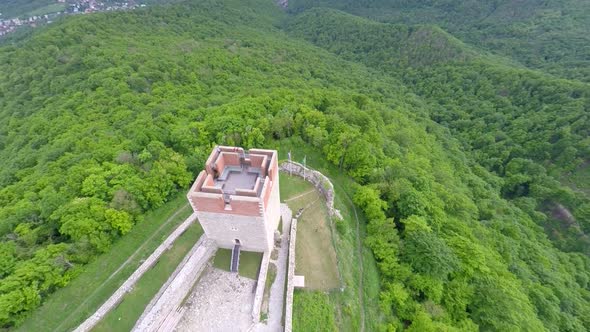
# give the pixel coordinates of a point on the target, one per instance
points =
(277, 290)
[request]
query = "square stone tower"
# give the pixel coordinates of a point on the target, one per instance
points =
(236, 198)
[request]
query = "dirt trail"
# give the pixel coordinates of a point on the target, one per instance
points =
(300, 195)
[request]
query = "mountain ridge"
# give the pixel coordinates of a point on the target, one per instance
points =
(560, 29)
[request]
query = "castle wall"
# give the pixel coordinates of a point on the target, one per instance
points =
(249, 206)
(256, 160)
(250, 215)
(207, 202)
(224, 228)
(290, 277)
(272, 212)
(210, 202)
(219, 164)
(272, 204)
(208, 186)
(210, 161)
(266, 191)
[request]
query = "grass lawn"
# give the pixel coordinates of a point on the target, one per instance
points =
(71, 305)
(124, 316)
(356, 300)
(292, 185)
(249, 262)
(314, 311)
(222, 259)
(315, 257)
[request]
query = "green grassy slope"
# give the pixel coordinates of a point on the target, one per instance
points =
(69, 306)
(525, 127)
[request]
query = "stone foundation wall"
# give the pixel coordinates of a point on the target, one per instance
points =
(127, 286)
(163, 313)
(224, 228)
(320, 181)
(178, 269)
(260, 285)
(290, 275)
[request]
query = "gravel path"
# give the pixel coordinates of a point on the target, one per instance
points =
(221, 301)
(277, 290)
(162, 313)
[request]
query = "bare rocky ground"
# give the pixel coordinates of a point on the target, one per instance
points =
(221, 301)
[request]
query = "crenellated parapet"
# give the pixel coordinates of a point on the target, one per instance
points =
(236, 197)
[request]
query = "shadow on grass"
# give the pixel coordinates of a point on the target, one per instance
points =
(249, 262)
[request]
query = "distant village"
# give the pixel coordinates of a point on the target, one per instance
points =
(70, 7)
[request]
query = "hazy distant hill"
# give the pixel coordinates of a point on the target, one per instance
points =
(397, 45)
(550, 35)
(17, 8)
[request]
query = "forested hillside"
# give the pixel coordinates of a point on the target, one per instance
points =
(456, 154)
(552, 35)
(524, 126)
(16, 8)
(378, 44)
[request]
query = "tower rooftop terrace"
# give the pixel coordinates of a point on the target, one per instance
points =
(235, 171)
(238, 177)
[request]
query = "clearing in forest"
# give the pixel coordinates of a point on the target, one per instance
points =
(314, 251)
(579, 179)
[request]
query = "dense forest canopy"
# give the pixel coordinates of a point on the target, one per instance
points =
(551, 35)
(526, 127)
(459, 155)
(17, 8)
